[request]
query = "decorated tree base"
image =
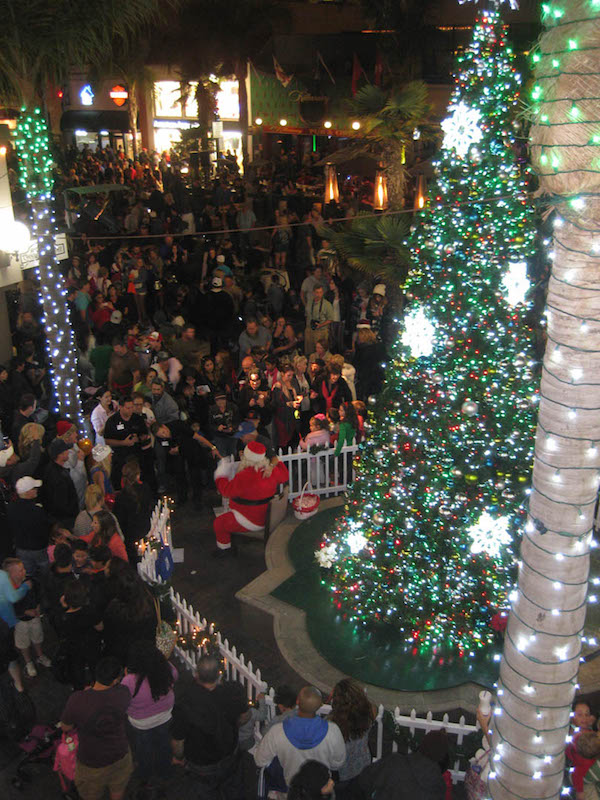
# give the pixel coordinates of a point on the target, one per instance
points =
(379, 657)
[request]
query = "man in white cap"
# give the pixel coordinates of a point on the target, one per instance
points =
(29, 526)
(249, 491)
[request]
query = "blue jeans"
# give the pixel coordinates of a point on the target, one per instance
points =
(34, 561)
(152, 750)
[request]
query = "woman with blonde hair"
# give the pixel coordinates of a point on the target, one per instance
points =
(301, 384)
(100, 465)
(30, 432)
(94, 502)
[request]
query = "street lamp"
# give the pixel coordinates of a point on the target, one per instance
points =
(14, 237)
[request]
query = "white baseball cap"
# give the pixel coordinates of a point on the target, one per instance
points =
(26, 484)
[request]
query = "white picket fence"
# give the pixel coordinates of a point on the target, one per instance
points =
(238, 668)
(326, 474)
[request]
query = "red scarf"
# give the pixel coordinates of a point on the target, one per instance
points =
(329, 397)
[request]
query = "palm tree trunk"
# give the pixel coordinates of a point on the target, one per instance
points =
(395, 170)
(542, 648)
(36, 177)
(133, 116)
(538, 674)
(241, 73)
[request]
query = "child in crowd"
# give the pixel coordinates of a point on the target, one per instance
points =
(587, 770)
(81, 562)
(582, 722)
(318, 438)
(319, 433)
(333, 418)
(58, 535)
(285, 704)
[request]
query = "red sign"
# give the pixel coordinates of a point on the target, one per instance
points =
(118, 94)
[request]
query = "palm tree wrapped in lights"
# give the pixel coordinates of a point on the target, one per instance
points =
(543, 645)
(40, 42)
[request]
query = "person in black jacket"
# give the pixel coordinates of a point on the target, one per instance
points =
(133, 508)
(223, 420)
(401, 776)
(185, 448)
(58, 494)
(55, 581)
(29, 526)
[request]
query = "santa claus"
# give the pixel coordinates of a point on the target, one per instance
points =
(249, 491)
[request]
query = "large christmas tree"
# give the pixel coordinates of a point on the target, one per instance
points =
(427, 541)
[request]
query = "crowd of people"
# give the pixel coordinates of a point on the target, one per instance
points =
(192, 345)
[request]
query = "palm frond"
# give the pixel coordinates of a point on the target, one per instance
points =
(373, 245)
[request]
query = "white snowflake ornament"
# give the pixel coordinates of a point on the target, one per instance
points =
(516, 283)
(461, 129)
(489, 535)
(326, 555)
(418, 334)
(356, 542)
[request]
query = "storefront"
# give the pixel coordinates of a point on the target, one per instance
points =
(96, 115)
(175, 111)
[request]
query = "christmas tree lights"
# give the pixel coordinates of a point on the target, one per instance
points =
(35, 175)
(438, 503)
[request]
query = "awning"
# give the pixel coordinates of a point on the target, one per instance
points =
(95, 120)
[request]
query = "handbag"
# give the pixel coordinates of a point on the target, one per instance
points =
(166, 637)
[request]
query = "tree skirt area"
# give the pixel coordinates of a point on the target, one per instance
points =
(379, 657)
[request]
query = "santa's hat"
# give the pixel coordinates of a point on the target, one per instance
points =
(255, 453)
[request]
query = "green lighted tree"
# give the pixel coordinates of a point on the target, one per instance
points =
(40, 41)
(427, 541)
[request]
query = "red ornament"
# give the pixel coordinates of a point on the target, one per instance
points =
(499, 621)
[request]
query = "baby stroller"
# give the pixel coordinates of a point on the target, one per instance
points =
(38, 747)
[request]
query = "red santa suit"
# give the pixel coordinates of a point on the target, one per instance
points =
(249, 492)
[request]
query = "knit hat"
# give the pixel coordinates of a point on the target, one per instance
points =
(380, 289)
(100, 452)
(435, 747)
(26, 484)
(5, 455)
(220, 259)
(155, 336)
(63, 426)
(255, 452)
(57, 446)
(312, 776)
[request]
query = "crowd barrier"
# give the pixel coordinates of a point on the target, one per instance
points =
(327, 475)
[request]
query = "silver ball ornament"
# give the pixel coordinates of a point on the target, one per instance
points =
(437, 378)
(470, 408)
(445, 512)
(449, 343)
(457, 473)
(372, 400)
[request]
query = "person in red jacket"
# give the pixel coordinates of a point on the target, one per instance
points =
(249, 491)
(582, 720)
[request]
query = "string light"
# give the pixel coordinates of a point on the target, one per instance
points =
(35, 176)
